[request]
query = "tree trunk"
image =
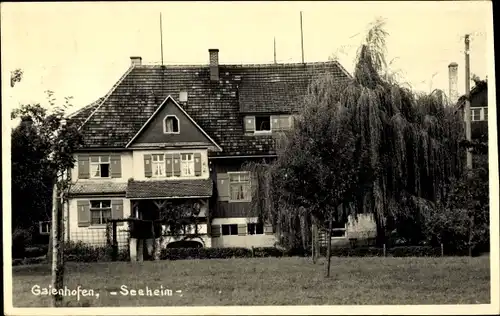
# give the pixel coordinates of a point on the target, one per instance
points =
(303, 231)
(329, 247)
(471, 229)
(315, 242)
(57, 247)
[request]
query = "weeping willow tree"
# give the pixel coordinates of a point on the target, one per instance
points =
(365, 145)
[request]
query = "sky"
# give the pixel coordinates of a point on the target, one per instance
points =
(82, 49)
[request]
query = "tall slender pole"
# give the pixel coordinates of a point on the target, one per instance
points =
(275, 50)
(467, 101)
(301, 37)
(161, 40)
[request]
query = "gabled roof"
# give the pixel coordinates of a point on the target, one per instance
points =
(217, 107)
(481, 85)
(169, 98)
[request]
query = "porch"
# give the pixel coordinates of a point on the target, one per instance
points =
(168, 214)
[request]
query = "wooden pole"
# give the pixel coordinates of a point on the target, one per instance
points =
(57, 247)
(301, 37)
(275, 50)
(329, 247)
(467, 102)
(115, 242)
(161, 39)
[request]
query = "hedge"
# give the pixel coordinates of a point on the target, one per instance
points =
(81, 252)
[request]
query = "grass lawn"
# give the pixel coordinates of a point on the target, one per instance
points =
(269, 281)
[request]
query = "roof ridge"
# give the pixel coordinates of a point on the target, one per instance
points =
(270, 65)
(91, 104)
(113, 88)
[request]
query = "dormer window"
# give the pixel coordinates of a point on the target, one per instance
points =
(171, 125)
(263, 124)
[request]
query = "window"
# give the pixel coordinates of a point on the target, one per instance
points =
(262, 124)
(187, 165)
(158, 165)
(475, 114)
(229, 229)
(99, 167)
(485, 112)
(239, 187)
(100, 212)
(44, 228)
(171, 125)
(256, 229)
(338, 230)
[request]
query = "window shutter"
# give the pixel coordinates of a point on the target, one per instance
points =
(116, 166)
(148, 170)
(83, 167)
(242, 229)
(209, 226)
(83, 213)
(216, 230)
(197, 164)
(249, 124)
(254, 185)
(285, 122)
(117, 210)
(268, 229)
(275, 123)
(177, 165)
(168, 165)
(223, 186)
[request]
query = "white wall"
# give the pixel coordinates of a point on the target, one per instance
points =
(138, 163)
(127, 169)
(363, 227)
(92, 234)
(246, 241)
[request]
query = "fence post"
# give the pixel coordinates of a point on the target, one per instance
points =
(442, 250)
(115, 242)
(253, 254)
(384, 250)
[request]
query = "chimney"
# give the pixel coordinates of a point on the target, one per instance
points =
(453, 82)
(214, 64)
(136, 60)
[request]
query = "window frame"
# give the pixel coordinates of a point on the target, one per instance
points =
(99, 163)
(478, 111)
(262, 131)
(101, 210)
(254, 230)
(344, 230)
(165, 125)
(229, 227)
(158, 163)
(248, 197)
(187, 162)
(485, 114)
(41, 225)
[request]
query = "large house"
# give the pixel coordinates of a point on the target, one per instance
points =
(181, 134)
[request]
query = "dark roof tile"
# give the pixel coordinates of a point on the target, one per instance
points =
(217, 107)
(169, 188)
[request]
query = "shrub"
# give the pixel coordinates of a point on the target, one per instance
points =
(81, 252)
(21, 238)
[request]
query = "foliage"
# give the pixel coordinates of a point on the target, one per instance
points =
(42, 151)
(15, 77)
(369, 144)
(462, 221)
(21, 238)
(82, 252)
